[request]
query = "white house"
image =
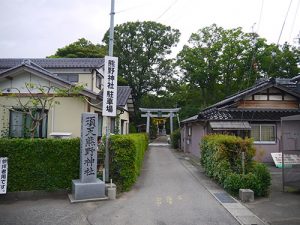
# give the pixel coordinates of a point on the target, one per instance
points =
(62, 118)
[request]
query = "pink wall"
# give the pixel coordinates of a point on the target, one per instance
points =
(190, 144)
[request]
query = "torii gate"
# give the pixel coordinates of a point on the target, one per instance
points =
(160, 113)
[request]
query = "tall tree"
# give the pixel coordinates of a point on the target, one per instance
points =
(220, 62)
(80, 49)
(142, 48)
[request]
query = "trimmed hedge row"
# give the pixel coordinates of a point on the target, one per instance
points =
(221, 159)
(41, 164)
(126, 159)
(52, 164)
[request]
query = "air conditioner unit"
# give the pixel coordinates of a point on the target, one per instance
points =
(61, 135)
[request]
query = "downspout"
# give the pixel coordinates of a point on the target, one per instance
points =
(88, 105)
(52, 118)
(93, 71)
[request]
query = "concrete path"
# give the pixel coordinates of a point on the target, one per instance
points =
(165, 194)
(170, 191)
(280, 208)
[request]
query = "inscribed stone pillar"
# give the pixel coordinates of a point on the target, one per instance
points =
(88, 186)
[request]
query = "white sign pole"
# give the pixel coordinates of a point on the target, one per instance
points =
(109, 108)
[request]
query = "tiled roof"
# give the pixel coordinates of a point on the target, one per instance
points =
(6, 63)
(247, 114)
(190, 119)
(124, 93)
(291, 88)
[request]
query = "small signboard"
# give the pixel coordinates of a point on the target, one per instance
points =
(3, 174)
(289, 159)
(110, 86)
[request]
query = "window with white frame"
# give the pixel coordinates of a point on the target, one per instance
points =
(263, 133)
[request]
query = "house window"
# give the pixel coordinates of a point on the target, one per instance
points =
(71, 77)
(112, 125)
(263, 133)
(20, 124)
(98, 82)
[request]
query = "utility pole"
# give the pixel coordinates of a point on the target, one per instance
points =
(108, 119)
(111, 29)
(297, 40)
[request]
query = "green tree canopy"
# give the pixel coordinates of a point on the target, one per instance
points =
(221, 62)
(81, 49)
(142, 48)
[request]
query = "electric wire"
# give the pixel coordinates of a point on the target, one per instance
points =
(283, 25)
(294, 20)
(169, 7)
(260, 15)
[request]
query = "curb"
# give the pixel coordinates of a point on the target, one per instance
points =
(33, 195)
(240, 212)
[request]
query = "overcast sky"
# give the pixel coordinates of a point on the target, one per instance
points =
(36, 28)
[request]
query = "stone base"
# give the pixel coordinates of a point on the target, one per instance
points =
(94, 190)
(111, 191)
(246, 195)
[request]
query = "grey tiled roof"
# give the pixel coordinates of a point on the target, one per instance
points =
(256, 88)
(190, 119)
(226, 109)
(124, 93)
(246, 114)
(6, 63)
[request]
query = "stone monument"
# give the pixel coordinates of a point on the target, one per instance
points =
(88, 187)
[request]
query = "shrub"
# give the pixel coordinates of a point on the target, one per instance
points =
(262, 173)
(234, 182)
(221, 160)
(126, 158)
(41, 164)
(175, 139)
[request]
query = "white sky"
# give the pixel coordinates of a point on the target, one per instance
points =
(36, 28)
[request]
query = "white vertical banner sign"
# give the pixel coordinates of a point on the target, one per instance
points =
(3, 174)
(110, 86)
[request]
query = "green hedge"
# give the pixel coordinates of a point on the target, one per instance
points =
(41, 164)
(175, 139)
(126, 159)
(52, 164)
(221, 159)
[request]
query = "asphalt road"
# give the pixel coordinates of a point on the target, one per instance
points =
(166, 194)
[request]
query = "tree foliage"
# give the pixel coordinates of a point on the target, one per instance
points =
(142, 48)
(80, 49)
(220, 62)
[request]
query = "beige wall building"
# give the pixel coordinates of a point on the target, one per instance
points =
(64, 117)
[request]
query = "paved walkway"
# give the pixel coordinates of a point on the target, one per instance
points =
(171, 190)
(280, 208)
(166, 194)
